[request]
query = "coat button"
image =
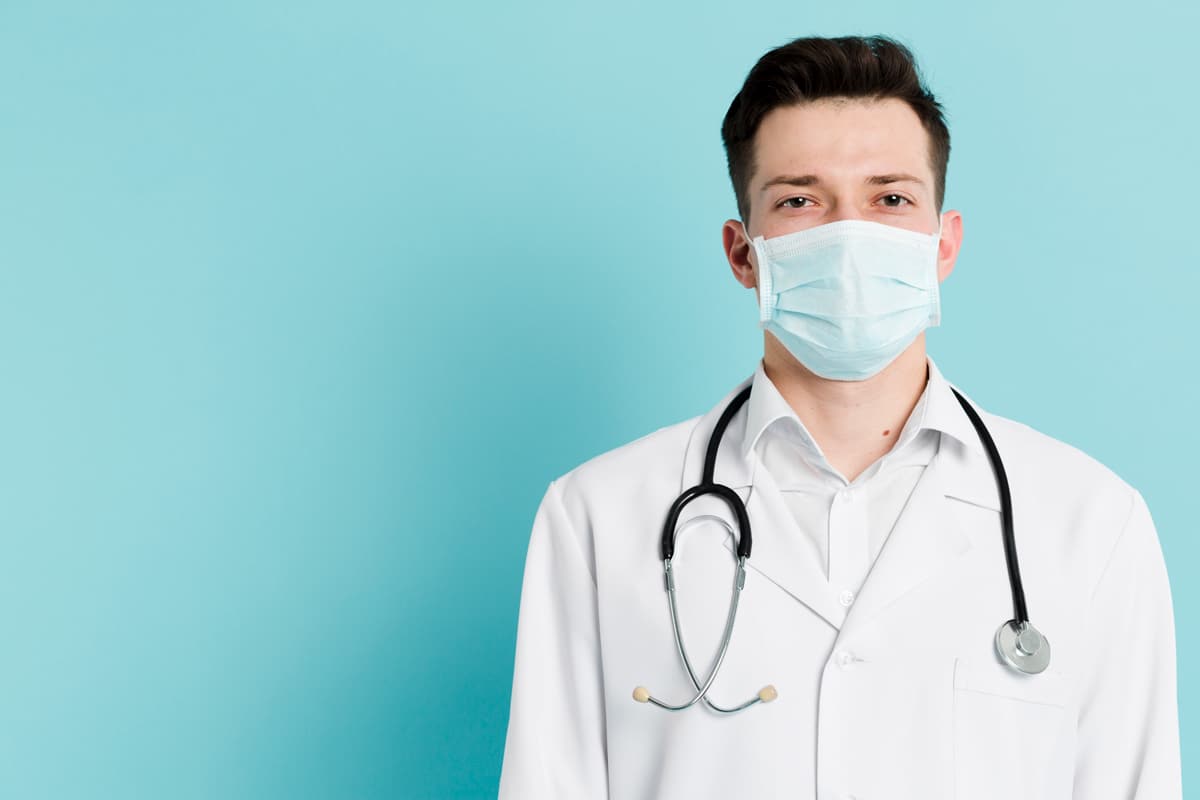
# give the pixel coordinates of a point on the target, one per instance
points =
(846, 597)
(843, 658)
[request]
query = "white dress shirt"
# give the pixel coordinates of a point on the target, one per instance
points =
(844, 523)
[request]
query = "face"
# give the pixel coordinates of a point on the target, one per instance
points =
(839, 159)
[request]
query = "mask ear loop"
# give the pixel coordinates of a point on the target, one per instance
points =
(935, 289)
(766, 294)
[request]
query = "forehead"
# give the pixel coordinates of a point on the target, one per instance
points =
(841, 136)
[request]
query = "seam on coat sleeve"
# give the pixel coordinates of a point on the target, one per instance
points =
(580, 550)
(556, 507)
(587, 564)
(1134, 497)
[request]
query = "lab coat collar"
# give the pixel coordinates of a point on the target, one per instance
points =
(928, 537)
(936, 408)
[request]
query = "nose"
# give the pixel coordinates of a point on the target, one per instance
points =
(849, 213)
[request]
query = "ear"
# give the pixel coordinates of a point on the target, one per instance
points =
(950, 244)
(739, 253)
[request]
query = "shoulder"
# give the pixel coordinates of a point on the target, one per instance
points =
(1052, 460)
(1057, 487)
(652, 460)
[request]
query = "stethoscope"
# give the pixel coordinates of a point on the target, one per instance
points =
(1019, 645)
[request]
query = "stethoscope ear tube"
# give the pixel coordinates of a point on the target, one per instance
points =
(705, 487)
(731, 499)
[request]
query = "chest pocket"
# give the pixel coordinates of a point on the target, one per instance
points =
(1010, 731)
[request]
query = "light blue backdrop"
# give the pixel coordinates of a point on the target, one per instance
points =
(303, 304)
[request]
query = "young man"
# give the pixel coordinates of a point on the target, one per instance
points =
(881, 647)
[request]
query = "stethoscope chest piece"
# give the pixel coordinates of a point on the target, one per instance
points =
(1023, 647)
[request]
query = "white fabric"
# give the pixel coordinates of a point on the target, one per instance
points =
(844, 522)
(900, 697)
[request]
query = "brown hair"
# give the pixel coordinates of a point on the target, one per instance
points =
(813, 68)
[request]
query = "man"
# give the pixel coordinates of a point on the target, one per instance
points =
(868, 623)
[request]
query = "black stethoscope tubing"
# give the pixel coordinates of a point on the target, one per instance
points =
(1020, 613)
(708, 486)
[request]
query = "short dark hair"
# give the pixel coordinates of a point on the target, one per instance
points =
(813, 68)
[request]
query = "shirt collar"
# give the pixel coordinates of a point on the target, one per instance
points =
(937, 409)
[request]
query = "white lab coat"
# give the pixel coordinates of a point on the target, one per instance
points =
(907, 699)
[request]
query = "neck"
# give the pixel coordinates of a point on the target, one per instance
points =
(853, 422)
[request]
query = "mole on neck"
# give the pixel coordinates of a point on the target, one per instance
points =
(853, 422)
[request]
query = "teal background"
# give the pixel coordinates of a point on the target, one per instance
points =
(303, 304)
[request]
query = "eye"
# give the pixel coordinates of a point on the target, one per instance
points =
(895, 200)
(790, 201)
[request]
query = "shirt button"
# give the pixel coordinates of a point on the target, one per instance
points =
(846, 597)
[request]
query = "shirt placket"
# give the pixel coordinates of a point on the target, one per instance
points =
(848, 544)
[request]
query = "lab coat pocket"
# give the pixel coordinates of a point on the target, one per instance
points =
(1008, 730)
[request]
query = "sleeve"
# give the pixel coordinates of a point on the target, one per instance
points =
(555, 747)
(1128, 736)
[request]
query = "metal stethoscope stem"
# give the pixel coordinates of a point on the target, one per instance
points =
(765, 695)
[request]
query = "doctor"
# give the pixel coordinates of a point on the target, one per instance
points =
(878, 578)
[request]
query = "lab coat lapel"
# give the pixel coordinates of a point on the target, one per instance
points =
(930, 536)
(776, 552)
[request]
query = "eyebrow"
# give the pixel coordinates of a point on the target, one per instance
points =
(810, 180)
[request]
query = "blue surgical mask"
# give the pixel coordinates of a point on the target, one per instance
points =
(847, 297)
